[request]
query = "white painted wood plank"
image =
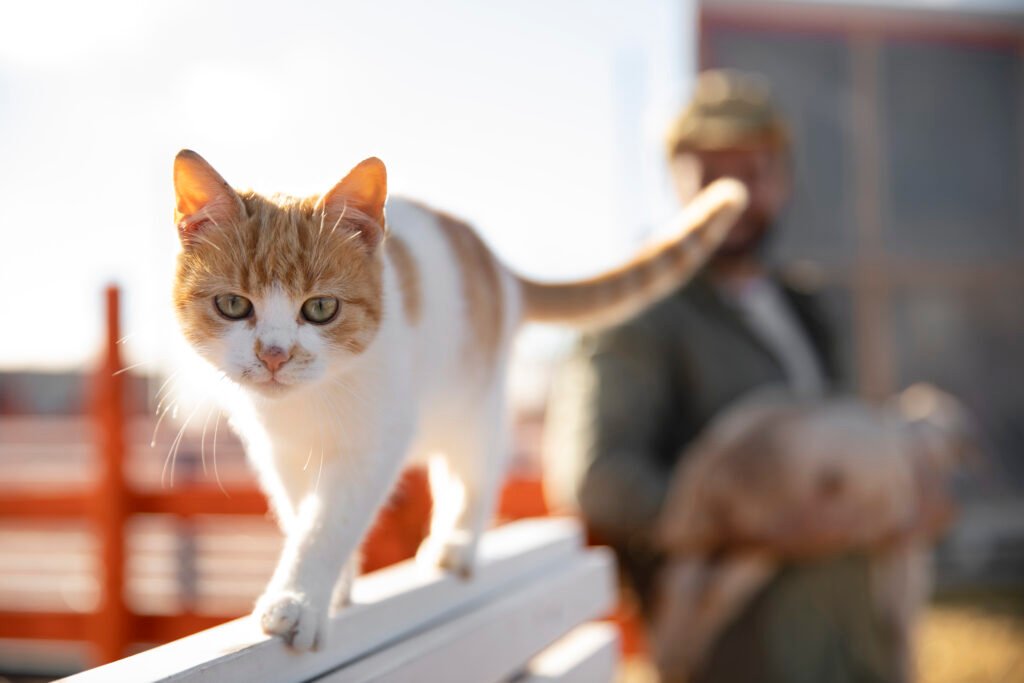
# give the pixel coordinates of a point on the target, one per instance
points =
(497, 638)
(389, 604)
(588, 654)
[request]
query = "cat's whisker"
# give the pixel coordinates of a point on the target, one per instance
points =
(341, 217)
(163, 470)
(238, 229)
(163, 386)
(320, 468)
(325, 408)
(172, 454)
(128, 368)
(331, 409)
(201, 238)
(156, 428)
(202, 441)
(160, 403)
(170, 401)
(309, 456)
(320, 412)
(319, 472)
(216, 474)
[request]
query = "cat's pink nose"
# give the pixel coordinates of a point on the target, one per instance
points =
(273, 357)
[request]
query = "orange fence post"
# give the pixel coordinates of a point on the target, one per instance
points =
(109, 502)
(110, 505)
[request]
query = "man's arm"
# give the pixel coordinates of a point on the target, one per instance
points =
(608, 424)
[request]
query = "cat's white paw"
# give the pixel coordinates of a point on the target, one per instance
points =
(456, 554)
(292, 617)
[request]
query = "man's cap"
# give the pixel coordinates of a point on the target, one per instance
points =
(729, 110)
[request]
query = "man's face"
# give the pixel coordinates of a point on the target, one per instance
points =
(762, 169)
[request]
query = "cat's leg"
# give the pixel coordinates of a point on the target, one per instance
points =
(342, 596)
(330, 523)
(283, 507)
(465, 480)
(275, 485)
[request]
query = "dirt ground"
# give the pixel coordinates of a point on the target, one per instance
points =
(970, 638)
(973, 639)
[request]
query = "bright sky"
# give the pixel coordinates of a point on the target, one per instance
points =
(539, 121)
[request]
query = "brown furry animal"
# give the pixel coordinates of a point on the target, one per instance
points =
(775, 481)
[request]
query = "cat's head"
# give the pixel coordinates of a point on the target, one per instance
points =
(278, 292)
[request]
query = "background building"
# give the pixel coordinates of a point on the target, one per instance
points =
(908, 126)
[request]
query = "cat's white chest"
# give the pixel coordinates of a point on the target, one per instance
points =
(315, 422)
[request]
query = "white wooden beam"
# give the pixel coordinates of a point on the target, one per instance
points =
(588, 654)
(498, 637)
(389, 605)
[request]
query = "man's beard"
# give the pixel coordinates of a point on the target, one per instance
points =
(746, 240)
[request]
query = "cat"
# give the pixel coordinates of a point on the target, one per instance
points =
(774, 480)
(360, 341)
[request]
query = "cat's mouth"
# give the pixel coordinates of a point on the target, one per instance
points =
(270, 385)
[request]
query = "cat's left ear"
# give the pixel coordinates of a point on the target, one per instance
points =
(201, 195)
(365, 189)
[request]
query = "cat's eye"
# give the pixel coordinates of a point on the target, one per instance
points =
(233, 306)
(320, 309)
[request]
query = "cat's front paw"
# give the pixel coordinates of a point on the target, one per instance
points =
(290, 616)
(456, 554)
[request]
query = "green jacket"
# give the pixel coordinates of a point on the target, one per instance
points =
(634, 397)
(623, 412)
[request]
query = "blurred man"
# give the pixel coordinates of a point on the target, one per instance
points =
(635, 397)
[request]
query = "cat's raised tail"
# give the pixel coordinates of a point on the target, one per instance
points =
(657, 271)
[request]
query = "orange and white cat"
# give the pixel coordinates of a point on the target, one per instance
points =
(360, 342)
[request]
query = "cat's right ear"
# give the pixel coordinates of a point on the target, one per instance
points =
(202, 196)
(365, 189)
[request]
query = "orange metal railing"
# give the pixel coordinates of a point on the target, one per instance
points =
(110, 502)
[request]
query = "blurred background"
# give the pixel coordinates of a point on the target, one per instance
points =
(541, 123)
